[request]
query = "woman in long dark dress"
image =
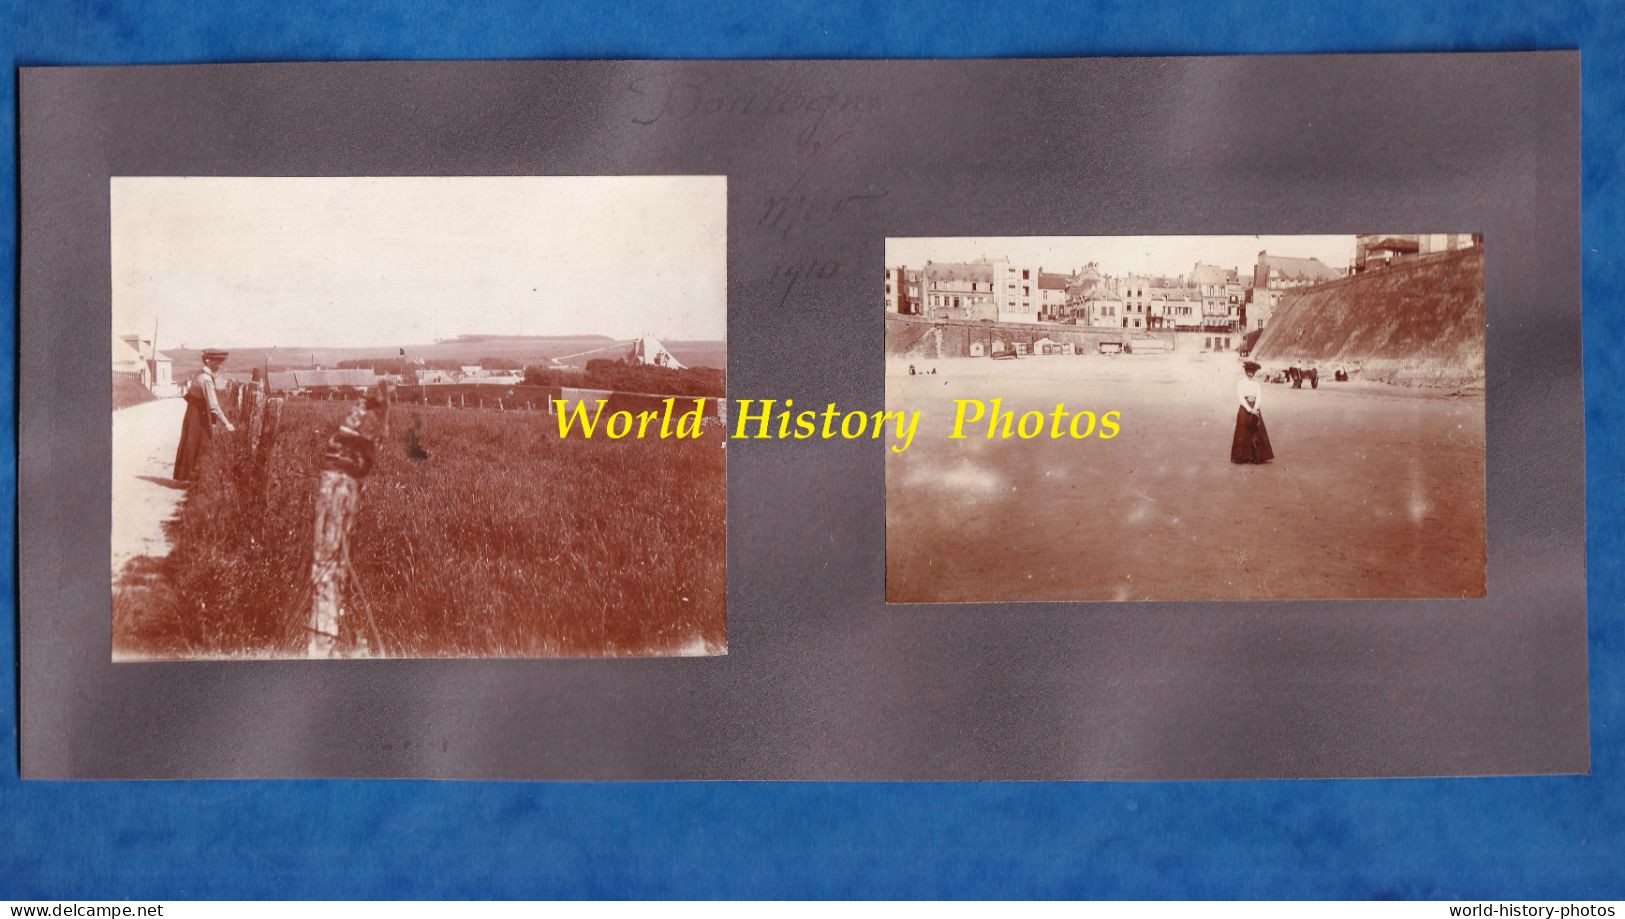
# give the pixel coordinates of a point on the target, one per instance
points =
(1251, 443)
(202, 413)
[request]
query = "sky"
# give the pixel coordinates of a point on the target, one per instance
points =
(1170, 256)
(366, 262)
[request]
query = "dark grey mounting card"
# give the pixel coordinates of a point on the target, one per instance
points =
(177, 193)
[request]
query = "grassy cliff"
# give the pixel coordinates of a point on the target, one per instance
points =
(1419, 323)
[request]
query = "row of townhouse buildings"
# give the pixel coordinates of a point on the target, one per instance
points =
(1211, 298)
(984, 289)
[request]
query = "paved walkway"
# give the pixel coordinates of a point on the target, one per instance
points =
(144, 497)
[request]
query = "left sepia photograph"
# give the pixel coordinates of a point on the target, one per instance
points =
(336, 416)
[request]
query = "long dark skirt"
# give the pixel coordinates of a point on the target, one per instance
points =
(196, 435)
(1251, 443)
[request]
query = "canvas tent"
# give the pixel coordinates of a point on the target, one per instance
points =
(649, 350)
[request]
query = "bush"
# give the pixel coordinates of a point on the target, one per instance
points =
(647, 378)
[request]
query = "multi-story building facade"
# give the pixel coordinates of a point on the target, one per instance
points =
(1104, 311)
(1090, 297)
(1235, 298)
(902, 291)
(1136, 292)
(957, 290)
(1275, 274)
(1016, 290)
(1220, 290)
(1177, 308)
(1052, 296)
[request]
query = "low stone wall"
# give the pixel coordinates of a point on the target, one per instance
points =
(927, 339)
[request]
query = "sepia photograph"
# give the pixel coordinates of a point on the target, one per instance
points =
(1186, 417)
(337, 405)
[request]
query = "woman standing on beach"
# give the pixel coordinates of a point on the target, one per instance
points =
(1251, 443)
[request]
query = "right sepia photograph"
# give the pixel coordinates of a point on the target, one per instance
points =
(1186, 417)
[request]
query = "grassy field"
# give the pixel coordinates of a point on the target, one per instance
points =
(503, 541)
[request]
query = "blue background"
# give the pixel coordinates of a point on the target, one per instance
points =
(1546, 838)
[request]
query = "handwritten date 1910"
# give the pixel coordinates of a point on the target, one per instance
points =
(787, 276)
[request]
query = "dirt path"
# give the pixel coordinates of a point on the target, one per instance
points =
(144, 497)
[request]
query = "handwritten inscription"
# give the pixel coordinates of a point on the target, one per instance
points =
(823, 135)
(785, 213)
(787, 276)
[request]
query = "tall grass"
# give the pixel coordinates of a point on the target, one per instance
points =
(503, 541)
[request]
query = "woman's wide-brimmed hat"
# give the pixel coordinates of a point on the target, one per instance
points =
(213, 354)
(1252, 366)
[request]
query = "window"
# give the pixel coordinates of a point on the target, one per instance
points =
(1024, 274)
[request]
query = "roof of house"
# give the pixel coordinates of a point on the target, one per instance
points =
(1175, 293)
(1100, 294)
(1212, 274)
(143, 347)
(1051, 281)
(1395, 244)
(126, 358)
(1294, 268)
(958, 271)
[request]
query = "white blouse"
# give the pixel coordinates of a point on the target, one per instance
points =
(1246, 389)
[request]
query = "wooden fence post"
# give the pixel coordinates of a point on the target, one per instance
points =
(256, 416)
(349, 456)
(272, 421)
